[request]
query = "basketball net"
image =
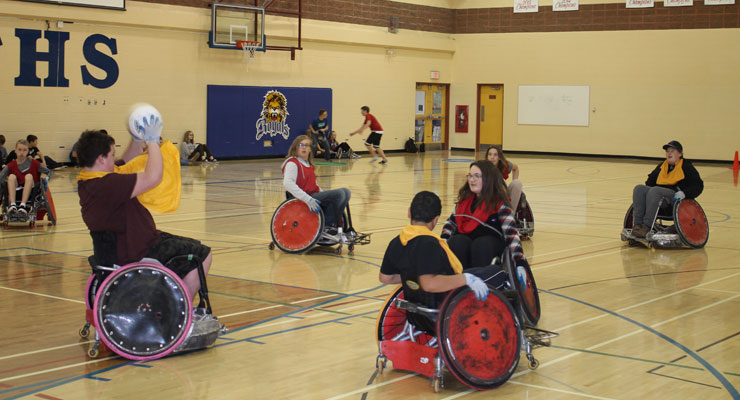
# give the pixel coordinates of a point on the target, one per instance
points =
(249, 48)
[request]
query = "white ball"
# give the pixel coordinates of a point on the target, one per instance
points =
(139, 112)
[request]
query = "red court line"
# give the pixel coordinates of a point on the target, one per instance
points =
(342, 303)
(40, 364)
(576, 255)
(240, 324)
(6, 385)
(45, 396)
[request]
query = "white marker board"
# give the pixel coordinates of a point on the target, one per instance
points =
(553, 105)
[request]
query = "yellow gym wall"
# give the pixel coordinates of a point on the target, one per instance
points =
(647, 87)
(167, 62)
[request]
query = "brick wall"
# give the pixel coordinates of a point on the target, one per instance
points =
(590, 17)
(598, 17)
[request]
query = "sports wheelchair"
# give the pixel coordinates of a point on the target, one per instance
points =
(142, 310)
(40, 201)
(295, 229)
(479, 342)
(690, 226)
(524, 218)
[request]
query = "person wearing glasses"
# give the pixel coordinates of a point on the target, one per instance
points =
(299, 179)
(483, 200)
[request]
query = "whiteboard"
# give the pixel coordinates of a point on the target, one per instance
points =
(553, 105)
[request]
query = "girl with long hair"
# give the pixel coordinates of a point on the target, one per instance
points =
(484, 198)
(495, 155)
(191, 151)
(299, 179)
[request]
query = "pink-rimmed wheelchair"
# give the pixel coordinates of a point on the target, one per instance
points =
(142, 310)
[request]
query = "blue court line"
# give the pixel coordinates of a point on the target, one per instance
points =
(32, 385)
(97, 378)
(721, 378)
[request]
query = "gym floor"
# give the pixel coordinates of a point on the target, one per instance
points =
(633, 322)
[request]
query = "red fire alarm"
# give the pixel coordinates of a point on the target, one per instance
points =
(434, 75)
(461, 119)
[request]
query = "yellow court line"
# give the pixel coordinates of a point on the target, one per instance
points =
(42, 295)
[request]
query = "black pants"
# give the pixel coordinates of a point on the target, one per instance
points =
(493, 275)
(476, 252)
(201, 149)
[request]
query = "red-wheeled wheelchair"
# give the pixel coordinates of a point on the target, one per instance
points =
(295, 229)
(689, 228)
(142, 310)
(40, 201)
(478, 342)
(524, 218)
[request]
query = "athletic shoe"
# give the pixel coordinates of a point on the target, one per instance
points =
(640, 231)
(60, 167)
(384, 161)
(355, 156)
(340, 153)
(374, 159)
(12, 208)
(23, 209)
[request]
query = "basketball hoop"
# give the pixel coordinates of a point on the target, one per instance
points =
(249, 48)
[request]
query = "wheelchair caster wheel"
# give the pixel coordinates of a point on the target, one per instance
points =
(533, 363)
(338, 251)
(85, 331)
(93, 352)
(271, 246)
(351, 249)
(380, 364)
(437, 384)
(32, 224)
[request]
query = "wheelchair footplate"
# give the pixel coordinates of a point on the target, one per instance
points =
(17, 217)
(539, 337)
(203, 331)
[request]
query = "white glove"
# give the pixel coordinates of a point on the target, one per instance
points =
(680, 195)
(477, 286)
(521, 275)
(313, 205)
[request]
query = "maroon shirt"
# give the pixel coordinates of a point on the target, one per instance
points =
(107, 206)
(374, 124)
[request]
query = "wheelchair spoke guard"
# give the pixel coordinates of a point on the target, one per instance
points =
(294, 228)
(479, 340)
(529, 299)
(691, 223)
(392, 320)
(142, 311)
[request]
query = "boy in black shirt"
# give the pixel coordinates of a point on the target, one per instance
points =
(423, 263)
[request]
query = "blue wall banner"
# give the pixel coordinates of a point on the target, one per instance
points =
(250, 121)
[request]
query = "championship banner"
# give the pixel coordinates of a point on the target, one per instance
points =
(526, 6)
(678, 3)
(718, 2)
(565, 5)
(640, 3)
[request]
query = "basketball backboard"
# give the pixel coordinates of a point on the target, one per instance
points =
(232, 23)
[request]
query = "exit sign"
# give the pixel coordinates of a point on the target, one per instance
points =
(434, 74)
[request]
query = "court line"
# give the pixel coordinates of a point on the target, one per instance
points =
(590, 396)
(42, 295)
(569, 249)
(578, 259)
(641, 303)
(56, 369)
(719, 376)
(44, 350)
(373, 386)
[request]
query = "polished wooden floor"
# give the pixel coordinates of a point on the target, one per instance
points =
(634, 323)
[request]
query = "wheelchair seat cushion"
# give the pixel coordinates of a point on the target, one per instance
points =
(169, 246)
